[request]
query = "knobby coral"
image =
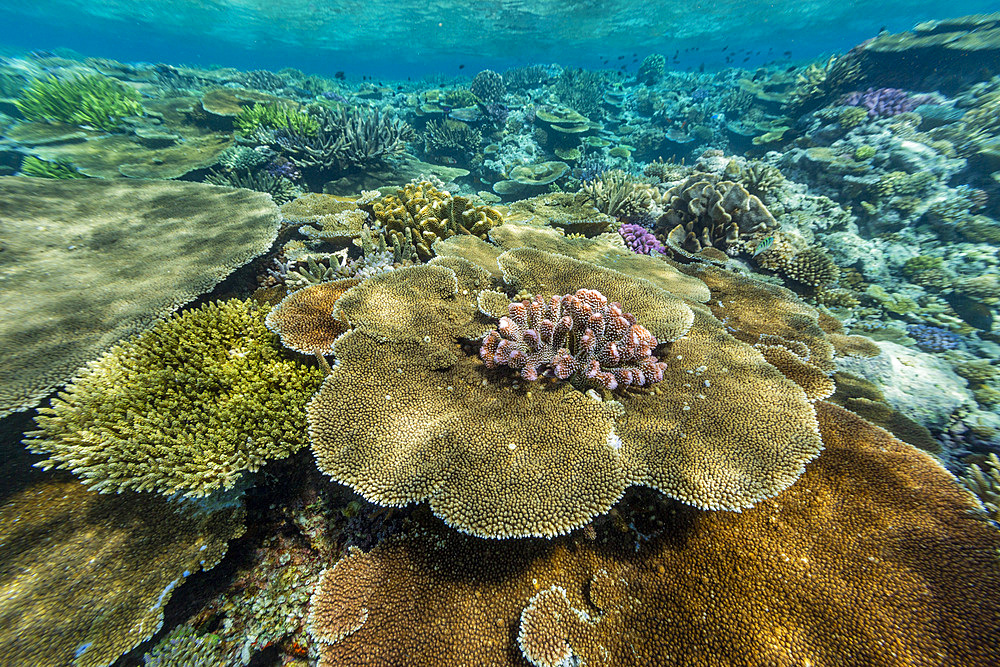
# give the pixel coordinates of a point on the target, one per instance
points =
(578, 337)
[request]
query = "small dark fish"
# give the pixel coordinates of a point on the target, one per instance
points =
(725, 47)
(787, 53)
(634, 55)
(399, 87)
(791, 69)
(746, 59)
(408, 79)
(621, 57)
(764, 244)
(974, 313)
(461, 67)
(340, 75)
(380, 83)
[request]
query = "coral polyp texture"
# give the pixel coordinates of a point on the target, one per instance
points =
(304, 319)
(85, 577)
(640, 240)
(412, 413)
(108, 236)
(186, 408)
(578, 337)
(845, 567)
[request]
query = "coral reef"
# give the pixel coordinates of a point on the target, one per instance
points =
(577, 337)
(107, 235)
(188, 407)
(663, 579)
(280, 188)
(302, 320)
(488, 86)
(252, 119)
(618, 194)
(883, 102)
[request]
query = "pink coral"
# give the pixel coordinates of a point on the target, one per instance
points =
(578, 337)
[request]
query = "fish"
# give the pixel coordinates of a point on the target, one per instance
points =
(764, 244)
(973, 312)
(461, 67)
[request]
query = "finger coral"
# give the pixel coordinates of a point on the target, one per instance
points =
(845, 567)
(577, 337)
(186, 408)
(85, 577)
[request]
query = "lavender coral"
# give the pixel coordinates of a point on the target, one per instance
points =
(883, 102)
(640, 240)
(578, 337)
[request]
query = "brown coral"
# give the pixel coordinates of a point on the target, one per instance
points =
(85, 577)
(873, 557)
(704, 212)
(422, 214)
(304, 319)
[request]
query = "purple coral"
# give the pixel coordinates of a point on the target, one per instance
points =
(883, 102)
(933, 339)
(640, 240)
(574, 337)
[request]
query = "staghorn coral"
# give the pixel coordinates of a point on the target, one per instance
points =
(844, 567)
(85, 576)
(577, 337)
(237, 158)
(420, 214)
(406, 391)
(32, 166)
(85, 99)
(984, 481)
(303, 319)
(277, 116)
(186, 408)
(704, 212)
(452, 138)
(281, 189)
(107, 235)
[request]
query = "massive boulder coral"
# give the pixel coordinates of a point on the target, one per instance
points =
(186, 408)
(411, 412)
(85, 576)
(89, 262)
(875, 556)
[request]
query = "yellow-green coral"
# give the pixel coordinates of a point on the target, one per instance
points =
(187, 407)
(421, 214)
(275, 117)
(86, 99)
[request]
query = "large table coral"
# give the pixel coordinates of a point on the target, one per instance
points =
(85, 263)
(411, 412)
(873, 557)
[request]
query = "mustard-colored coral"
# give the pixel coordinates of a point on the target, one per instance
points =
(303, 320)
(85, 577)
(984, 481)
(185, 408)
(844, 567)
(422, 214)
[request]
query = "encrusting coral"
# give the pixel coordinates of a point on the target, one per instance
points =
(85, 577)
(186, 408)
(844, 567)
(412, 414)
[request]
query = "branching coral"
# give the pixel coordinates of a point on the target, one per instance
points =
(251, 120)
(281, 189)
(619, 195)
(577, 337)
(185, 408)
(32, 166)
(86, 99)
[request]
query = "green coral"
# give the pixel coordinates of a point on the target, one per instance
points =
(275, 117)
(184, 408)
(902, 184)
(86, 99)
(459, 97)
(32, 166)
(865, 152)
(281, 189)
(851, 117)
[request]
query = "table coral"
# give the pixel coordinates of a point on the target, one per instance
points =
(303, 320)
(85, 577)
(188, 407)
(411, 414)
(847, 566)
(107, 236)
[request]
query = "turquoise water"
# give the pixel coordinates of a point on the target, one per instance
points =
(512, 333)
